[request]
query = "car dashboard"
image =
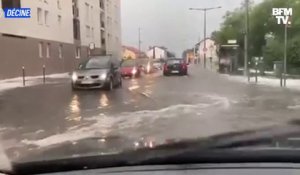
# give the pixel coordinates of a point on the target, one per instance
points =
(202, 169)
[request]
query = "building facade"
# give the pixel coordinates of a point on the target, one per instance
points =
(212, 59)
(57, 35)
(189, 55)
(157, 53)
(132, 53)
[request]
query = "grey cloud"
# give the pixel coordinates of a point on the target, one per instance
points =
(169, 22)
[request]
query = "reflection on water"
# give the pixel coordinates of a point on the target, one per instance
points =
(74, 109)
(134, 85)
(104, 102)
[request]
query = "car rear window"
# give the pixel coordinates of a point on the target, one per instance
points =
(129, 63)
(174, 61)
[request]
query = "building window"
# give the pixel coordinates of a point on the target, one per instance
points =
(59, 19)
(58, 4)
(87, 31)
(48, 50)
(60, 51)
(76, 29)
(75, 8)
(108, 40)
(92, 16)
(47, 18)
(87, 9)
(41, 49)
(102, 4)
(39, 16)
(92, 33)
(77, 52)
(11, 4)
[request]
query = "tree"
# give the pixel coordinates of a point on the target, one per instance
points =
(262, 22)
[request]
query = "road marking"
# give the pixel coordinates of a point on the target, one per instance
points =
(145, 94)
(133, 87)
(294, 107)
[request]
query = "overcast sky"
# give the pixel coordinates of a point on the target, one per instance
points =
(169, 23)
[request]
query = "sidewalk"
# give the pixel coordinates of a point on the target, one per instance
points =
(13, 83)
(293, 84)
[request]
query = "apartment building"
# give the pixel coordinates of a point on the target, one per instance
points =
(57, 35)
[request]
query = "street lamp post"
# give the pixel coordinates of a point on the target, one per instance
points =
(246, 67)
(139, 55)
(285, 53)
(205, 10)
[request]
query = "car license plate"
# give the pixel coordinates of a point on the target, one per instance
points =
(87, 82)
(175, 71)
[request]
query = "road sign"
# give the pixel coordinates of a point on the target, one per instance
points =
(232, 41)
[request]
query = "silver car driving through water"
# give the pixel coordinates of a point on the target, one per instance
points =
(97, 72)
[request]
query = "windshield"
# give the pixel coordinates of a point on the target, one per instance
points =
(95, 63)
(102, 77)
(129, 63)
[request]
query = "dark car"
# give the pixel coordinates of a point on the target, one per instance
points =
(175, 66)
(130, 68)
(97, 72)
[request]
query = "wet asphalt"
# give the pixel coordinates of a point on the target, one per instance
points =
(202, 104)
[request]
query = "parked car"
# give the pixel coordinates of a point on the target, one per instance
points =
(130, 68)
(175, 66)
(97, 72)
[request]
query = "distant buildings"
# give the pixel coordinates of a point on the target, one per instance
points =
(132, 53)
(189, 55)
(196, 54)
(159, 52)
(210, 51)
(57, 35)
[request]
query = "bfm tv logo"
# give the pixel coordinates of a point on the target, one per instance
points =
(15, 13)
(283, 15)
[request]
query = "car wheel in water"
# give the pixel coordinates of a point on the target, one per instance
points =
(120, 82)
(110, 85)
(73, 87)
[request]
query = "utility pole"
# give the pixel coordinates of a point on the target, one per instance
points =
(194, 53)
(154, 52)
(205, 10)
(285, 55)
(246, 68)
(140, 42)
(205, 49)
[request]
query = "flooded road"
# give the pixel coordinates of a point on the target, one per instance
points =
(152, 107)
